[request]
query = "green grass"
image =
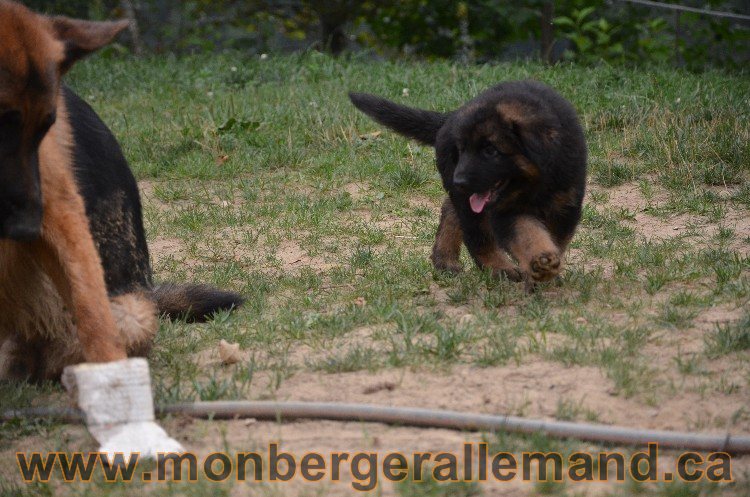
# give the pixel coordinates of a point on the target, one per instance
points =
(729, 337)
(269, 182)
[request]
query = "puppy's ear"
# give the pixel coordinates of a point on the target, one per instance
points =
(83, 37)
(537, 132)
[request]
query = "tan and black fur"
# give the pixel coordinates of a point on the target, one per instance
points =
(75, 277)
(513, 162)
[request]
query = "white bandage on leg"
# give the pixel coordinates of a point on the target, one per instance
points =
(116, 401)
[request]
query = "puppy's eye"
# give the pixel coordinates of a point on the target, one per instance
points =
(454, 154)
(490, 152)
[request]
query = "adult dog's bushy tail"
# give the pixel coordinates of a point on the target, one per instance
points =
(193, 302)
(421, 125)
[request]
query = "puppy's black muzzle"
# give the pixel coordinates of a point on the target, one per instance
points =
(466, 177)
(461, 184)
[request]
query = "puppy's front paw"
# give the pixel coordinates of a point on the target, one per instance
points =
(447, 265)
(545, 266)
(513, 273)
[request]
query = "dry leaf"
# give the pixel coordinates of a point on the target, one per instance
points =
(378, 387)
(229, 353)
(220, 160)
(360, 302)
(370, 136)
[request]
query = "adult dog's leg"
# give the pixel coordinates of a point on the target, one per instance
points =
(70, 258)
(44, 356)
(136, 320)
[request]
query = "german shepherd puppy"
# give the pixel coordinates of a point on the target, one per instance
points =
(75, 277)
(513, 161)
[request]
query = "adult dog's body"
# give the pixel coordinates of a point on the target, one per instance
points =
(513, 161)
(75, 277)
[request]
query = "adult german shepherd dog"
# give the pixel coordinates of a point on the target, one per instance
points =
(513, 161)
(75, 277)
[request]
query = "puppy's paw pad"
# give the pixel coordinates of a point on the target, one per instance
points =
(545, 266)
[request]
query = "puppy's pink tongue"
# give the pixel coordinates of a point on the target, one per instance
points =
(478, 201)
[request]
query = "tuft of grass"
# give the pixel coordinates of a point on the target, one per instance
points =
(354, 359)
(729, 337)
(611, 174)
(407, 177)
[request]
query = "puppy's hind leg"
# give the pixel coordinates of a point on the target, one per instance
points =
(482, 246)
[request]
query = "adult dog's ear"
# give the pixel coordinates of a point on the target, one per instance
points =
(83, 37)
(537, 131)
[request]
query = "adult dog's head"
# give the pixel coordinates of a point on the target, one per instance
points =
(35, 51)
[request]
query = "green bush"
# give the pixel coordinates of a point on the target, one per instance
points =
(589, 31)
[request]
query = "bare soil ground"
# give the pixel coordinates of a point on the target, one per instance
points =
(534, 387)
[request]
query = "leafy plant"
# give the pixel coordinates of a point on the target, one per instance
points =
(593, 38)
(653, 41)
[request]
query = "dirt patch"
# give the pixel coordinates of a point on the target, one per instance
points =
(536, 389)
(146, 188)
(166, 247)
(739, 221)
(293, 258)
(357, 191)
(713, 391)
(393, 225)
(418, 201)
(628, 196)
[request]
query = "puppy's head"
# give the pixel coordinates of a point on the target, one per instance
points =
(35, 52)
(503, 145)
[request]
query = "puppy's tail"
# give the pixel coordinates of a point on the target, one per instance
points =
(192, 302)
(421, 125)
